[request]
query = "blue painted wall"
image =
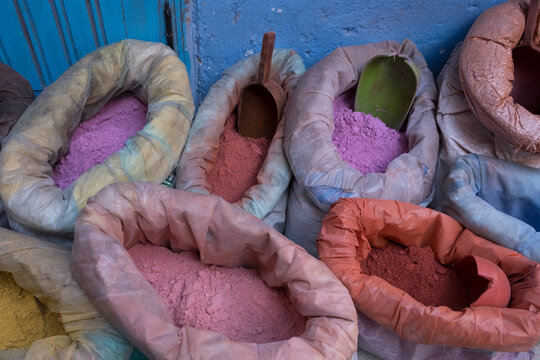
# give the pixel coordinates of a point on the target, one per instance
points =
(221, 32)
(41, 39)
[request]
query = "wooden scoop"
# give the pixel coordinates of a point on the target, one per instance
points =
(263, 101)
(525, 88)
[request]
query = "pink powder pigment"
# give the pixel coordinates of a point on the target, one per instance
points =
(95, 139)
(238, 163)
(363, 141)
(235, 302)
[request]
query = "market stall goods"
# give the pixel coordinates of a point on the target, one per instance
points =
(207, 166)
(496, 199)
(24, 318)
(124, 215)
(94, 140)
(44, 313)
(238, 163)
(354, 226)
(476, 112)
(416, 271)
(364, 141)
(15, 95)
(235, 302)
(154, 74)
(321, 174)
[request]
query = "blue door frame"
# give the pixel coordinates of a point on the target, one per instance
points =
(41, 39)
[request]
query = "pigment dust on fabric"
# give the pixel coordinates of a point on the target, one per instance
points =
(363, 141)
(416, 271)
(235, 302)
(23, 318)
(238, 163)
(95, 139)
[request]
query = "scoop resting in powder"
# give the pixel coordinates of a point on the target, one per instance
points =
(364, 141)
(416, 271)
(235, 302)
(95, 139)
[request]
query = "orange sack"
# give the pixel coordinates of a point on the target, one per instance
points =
(353, 226)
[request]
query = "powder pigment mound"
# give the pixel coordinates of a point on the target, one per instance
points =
(416, 271)
(363, 141)
(23, 319)
(95, 139)
(235, 302)
(238, 163)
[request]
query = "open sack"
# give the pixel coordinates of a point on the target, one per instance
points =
(476, 114)
(123, 215)
(486, 70)
(354, 226)
(15, 96)
(498, 200)
(44, 270)
(268, 199)
(154, 73)
(321, 176)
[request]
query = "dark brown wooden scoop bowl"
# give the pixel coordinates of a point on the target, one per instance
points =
(262, 102)
(526, 58)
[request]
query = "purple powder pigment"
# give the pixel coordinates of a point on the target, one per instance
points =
(95, 139)
(363, 141)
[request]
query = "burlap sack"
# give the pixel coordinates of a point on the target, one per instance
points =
(268, 199)
(486, 70)
(321, 177)
(461, 131)
(44, 270)
(387, 345)
(15, 96)
(497, 199)
(154, 73)
(354, 226)
(123, 215)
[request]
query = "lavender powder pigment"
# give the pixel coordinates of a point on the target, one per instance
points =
(95, 139)
(363, 141)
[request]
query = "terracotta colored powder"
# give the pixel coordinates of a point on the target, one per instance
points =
(234, 302)
(23, 319)
(363, 141)
(416, 271)
(95, 139)
(238, 163)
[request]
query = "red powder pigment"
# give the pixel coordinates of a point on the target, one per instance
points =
(238, 163)
(95, 139)
(235, 302)
(416, 271)
(363, 141)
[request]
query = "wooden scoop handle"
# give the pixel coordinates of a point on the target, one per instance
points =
(265, 62)
(530, 23)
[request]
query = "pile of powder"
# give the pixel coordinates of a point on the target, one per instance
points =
(238, 163)
(95, 139)
(23, 319)
(363, 141)
(234, 302)
(416, 271)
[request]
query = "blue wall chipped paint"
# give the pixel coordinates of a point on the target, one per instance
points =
(223, 32)
(41, 39)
